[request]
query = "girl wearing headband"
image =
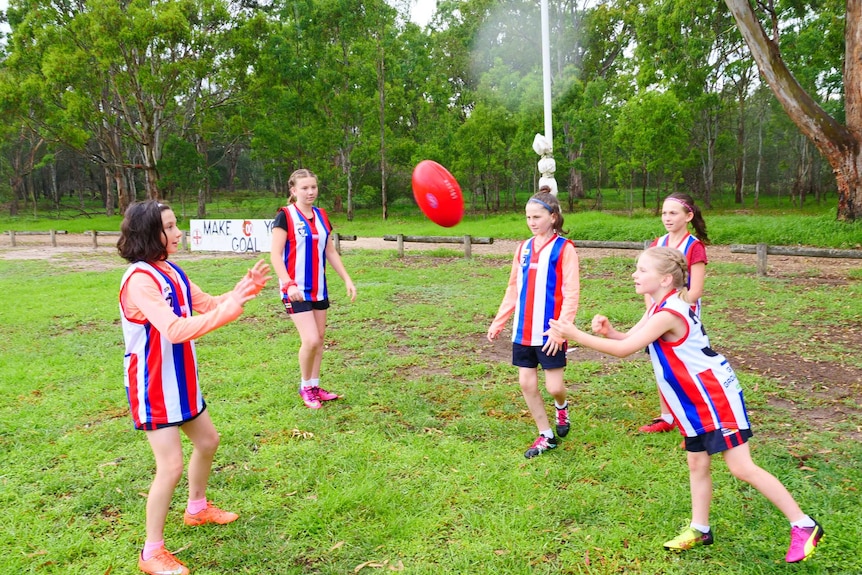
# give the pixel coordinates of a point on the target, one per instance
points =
(543, 284)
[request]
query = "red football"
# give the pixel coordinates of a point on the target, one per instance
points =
(438, 194)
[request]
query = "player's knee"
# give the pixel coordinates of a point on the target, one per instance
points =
(312, 342)
(170, 471)
(208, 443)
(747, 472)
(556, 389)
(529, 385)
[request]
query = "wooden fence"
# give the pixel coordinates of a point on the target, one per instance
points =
(761, 250)
(466, 241)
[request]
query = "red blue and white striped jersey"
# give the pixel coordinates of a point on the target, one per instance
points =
(697, 383)
(693, 250)
(161, 377)
(305, 250)
(539, 289)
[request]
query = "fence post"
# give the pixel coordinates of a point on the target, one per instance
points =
(400, 239)
(12, 237)
(185, 241)
(95, 239)
(760, 250)
(336, 239)
(53, 238)
(468, 247)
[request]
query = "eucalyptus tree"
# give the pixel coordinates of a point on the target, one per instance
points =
(840, 143)
(587, 41)
(319, 78)
(685, 46)
(278, 44)
(114, 71)
(652, 129)
(587, 105)
(482, 147)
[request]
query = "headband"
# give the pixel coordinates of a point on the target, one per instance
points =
(540, 202)
(688, 207)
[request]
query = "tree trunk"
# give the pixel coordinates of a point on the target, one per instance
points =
(151, 174)
(759, 157)
(740, 150)
(711, 123)
(109, 195)
(839, 144)
(381, 88)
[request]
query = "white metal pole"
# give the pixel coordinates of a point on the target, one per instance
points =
(546, 71)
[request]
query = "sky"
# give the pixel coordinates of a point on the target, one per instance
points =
(421, 13)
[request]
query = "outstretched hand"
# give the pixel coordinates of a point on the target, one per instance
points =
(252, 282)
(259, 274)
(601, 325)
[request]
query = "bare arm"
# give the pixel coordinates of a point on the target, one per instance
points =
(644, 333)
(697, 279)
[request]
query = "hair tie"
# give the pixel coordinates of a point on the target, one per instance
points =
(540, 202)
(688, 207)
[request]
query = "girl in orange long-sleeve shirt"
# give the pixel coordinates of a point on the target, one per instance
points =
(156, 303)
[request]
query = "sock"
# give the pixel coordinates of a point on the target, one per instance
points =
(303, 383)
(668, 418)
(699, 527)
(547, 433)
(804, 522)
(196, 506)
(564, 406)
(314, 382)
(151, 548)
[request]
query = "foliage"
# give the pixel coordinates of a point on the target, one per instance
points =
(651, 95)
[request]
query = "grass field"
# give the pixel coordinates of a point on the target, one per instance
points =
(420, 468)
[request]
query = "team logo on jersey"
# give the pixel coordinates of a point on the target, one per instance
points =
(168, 295)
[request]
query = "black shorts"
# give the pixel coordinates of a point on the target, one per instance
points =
(531, 356)
(718, 440)
(292, 307)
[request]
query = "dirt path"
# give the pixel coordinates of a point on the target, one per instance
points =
(39, 247)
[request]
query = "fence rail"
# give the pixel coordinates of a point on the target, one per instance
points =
(466, 241)
(763, 249)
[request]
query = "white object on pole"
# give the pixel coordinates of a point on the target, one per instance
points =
(544, 145)
(547, 164)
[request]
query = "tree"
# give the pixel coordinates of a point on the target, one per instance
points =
(653, 128)
(840, 144)
(116, 71)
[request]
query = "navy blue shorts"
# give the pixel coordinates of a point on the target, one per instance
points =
(532, 356)
(300, 306)
(718, 440)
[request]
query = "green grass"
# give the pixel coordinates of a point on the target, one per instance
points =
(420, 467)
